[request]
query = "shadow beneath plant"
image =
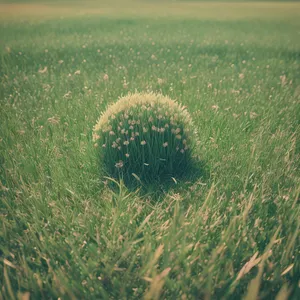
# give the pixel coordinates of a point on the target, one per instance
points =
(156, 191)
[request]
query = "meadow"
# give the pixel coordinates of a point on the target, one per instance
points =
(232, 232)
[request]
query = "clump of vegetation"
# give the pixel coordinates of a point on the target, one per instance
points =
(145, 137)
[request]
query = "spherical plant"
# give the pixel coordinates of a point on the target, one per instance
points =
(145, 137)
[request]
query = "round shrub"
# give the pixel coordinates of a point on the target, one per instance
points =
(145, 137)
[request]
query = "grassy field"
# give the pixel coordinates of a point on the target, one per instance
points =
(231, 233)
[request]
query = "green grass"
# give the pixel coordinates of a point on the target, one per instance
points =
(65, 234)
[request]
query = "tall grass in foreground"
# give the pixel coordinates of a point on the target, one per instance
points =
(232, 234)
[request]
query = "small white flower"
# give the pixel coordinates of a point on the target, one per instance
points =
(127, 155)
(143, 143)
(119, 165)
(177, 130)
(165, 144)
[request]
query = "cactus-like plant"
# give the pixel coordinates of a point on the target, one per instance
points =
(148, 137)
